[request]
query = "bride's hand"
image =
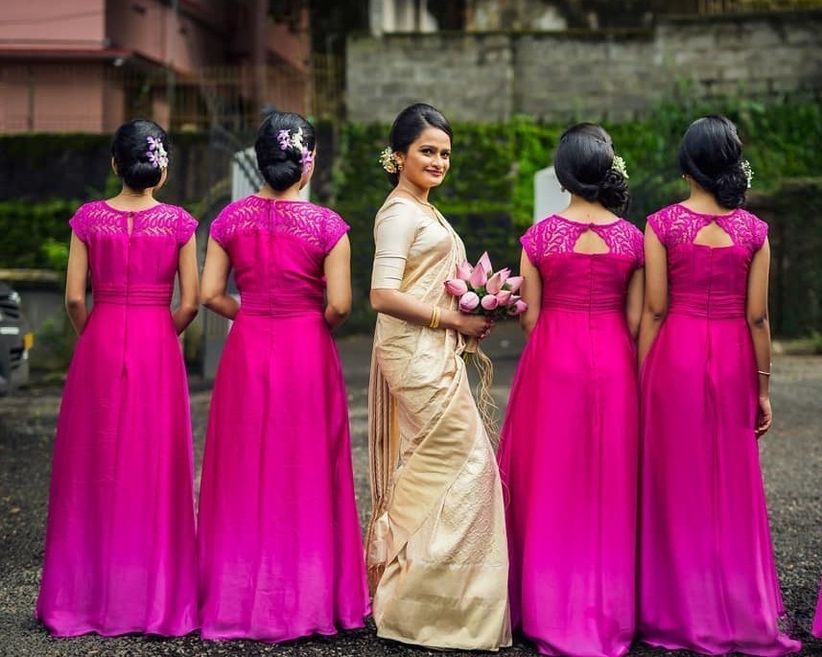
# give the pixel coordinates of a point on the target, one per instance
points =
(476, 326)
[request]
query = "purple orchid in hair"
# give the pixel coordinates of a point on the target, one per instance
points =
(156, 153)
(284, 137)
(306, 159)
(289, 140)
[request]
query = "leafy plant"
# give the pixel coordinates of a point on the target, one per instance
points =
(488, 194)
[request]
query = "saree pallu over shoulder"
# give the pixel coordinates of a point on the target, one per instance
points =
(436, 544)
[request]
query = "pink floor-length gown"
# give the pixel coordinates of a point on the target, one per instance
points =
(816, 630)
(120, 545)
(568, 454)
(708, 582)
(280, 548)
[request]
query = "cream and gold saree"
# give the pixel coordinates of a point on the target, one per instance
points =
(436, 544)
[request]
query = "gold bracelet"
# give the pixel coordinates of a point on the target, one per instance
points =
(763, 373)
(435, 318)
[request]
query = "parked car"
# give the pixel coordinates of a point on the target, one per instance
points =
(15, 341)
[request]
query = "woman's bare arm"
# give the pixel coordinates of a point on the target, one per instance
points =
(189, 286)
(213, 293)
(760, 328)
(656, 291)
(76, 281)
(337, 269)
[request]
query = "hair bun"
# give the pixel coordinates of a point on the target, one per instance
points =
(279, 160)
(613, 192)
(584, 164)
(130, 149)
(711, 154)
(730, 187)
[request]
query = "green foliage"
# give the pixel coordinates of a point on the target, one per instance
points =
(794, 212)
(56, 253)
(488, 195)
(31, 232)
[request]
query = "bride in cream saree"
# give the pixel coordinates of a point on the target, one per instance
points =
(436, 543)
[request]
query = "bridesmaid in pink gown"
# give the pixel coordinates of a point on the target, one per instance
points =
(568, 454)
(280, 549)
(120, 545)
(707, 577)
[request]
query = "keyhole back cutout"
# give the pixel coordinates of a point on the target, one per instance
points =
(130, 223)
(590, 243)
(713, 235)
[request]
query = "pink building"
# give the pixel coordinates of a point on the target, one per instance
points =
(87, 65)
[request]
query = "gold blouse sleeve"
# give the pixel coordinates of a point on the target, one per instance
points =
(394, 232)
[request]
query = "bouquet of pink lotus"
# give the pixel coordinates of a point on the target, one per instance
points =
(482, 291)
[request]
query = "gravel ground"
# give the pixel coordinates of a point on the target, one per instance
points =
(792, 458)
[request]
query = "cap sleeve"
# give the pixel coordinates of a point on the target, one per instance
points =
(333, 230)
(395, 229)
(639, 247)
(79, 223)
(760, 233)
(532, 243)
(218, 228)
(660, 227)
(186, 225)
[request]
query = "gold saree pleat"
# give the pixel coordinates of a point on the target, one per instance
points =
(383, 450)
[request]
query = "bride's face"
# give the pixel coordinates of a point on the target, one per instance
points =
(428, 159)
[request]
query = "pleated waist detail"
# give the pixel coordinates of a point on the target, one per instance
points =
(584, 303)
(709, 306)
(134, 295)
(283, 306)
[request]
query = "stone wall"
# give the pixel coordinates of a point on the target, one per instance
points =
(615, 75)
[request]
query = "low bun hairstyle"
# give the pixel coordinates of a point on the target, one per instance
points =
(280, 168)
(584, 164)
(130, 151)
(410, 124)
(711, 154)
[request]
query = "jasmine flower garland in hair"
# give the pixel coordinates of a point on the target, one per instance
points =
(387, 160)
(748, 171)
(618, 165)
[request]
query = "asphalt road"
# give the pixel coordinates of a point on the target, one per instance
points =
(792, 460)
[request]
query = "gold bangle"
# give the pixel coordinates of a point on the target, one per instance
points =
(763, 373)
(435, 318)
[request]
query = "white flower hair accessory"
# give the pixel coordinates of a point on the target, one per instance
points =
(157, 155)
(388, 160)
(748, 171)
(618, 165)
(295, 140)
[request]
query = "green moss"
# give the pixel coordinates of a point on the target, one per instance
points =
(488, 194)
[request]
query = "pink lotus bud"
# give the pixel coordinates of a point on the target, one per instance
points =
(517, 308)
(484, 263)
(504, 297)
(514, 283)
(489, 302)
(496, 281)
(478, 277)
(464, 271)
(469, 301)
(456, 287)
